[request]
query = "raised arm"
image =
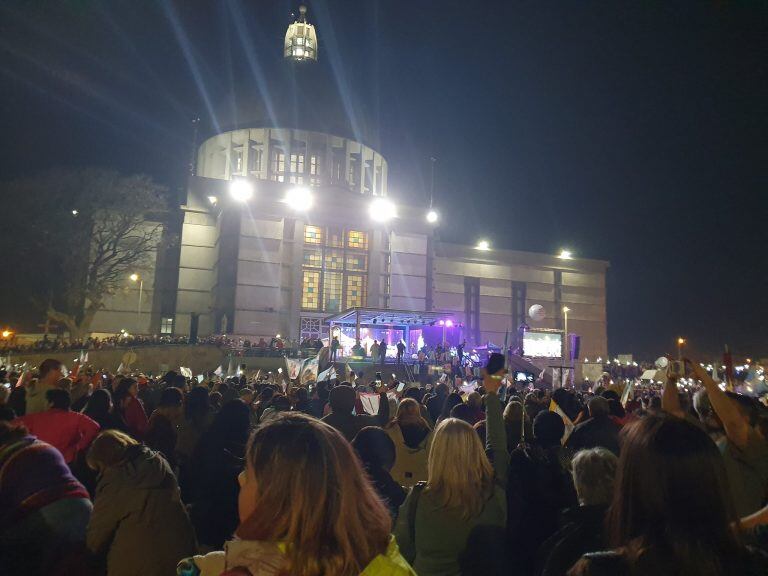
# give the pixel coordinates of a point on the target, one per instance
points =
(670, 399)
(736, 427)
(495, 434)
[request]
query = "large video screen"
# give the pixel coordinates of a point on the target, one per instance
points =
(542, 344)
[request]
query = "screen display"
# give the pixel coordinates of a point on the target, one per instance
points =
(542, 344)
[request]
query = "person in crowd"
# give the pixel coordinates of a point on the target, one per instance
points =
(6, 411)
(51, 371)
(69, 432)
(197, 418)
(453, 399)
(514, 420)
(215, 401)
(80, 392)
(377, 454)
(540, 486)
(300, 401)
(598, 430)
(464, 412)
(99, 409)
(475, 402)
(278, 404)
(342, 401)
(411, 435)
(130, 408)
(44, 510)
(162, 432)
(263, 402)
(743, 447)
(139, 524)
(464, 491)
(672, 511)
(212, 475)
(594, 471)
(436, 402)
(306, 507)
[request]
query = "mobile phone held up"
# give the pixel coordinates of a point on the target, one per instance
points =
(495, 363)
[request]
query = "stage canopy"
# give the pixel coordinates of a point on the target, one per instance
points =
(387, 317)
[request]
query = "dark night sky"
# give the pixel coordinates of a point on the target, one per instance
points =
(633, 132)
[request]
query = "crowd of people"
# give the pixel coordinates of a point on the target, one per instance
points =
(129, 474)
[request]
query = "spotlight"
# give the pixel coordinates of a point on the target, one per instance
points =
(483, 245)
(241, 190)
(432, 217)
(382, 210)
(213, 200)
(565, 255)
(449, 323)
(299, 198)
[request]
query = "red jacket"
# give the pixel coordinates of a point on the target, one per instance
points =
(69, 432)
(135, 418)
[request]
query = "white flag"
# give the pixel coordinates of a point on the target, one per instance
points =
(219, 371)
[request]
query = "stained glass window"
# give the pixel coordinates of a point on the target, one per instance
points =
(313, 235)
(310, 290)
(357, 240)
(335, 264)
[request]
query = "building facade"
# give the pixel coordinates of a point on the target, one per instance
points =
(284, 226)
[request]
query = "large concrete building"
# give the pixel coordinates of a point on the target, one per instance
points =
(288, 221)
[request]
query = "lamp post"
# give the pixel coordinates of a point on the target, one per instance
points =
(140, 280)
(680, 344)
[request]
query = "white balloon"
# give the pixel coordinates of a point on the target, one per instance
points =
(537, 312)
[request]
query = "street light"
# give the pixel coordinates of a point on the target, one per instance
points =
(432, 217)
(382, 210)
(565, 255)
(299, 198)
(483, 245)
(241, 190)
(136, 278)
(680, 344)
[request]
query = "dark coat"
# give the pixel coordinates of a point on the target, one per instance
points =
(582, 532)
(139, 522)
(598, 431)
(539, 489)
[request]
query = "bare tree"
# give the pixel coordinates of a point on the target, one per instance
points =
(86, 230)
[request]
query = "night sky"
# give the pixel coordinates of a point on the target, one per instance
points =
(634, 132)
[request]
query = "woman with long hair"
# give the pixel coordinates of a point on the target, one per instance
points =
(463, 492)
(672, 511)
(306, 509)
(139, 524)
(412, 436)
(377, 454)
(130, 408)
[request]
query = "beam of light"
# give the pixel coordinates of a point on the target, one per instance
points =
(187, 51)
(327, 37)
(79, 82)
(250, 50)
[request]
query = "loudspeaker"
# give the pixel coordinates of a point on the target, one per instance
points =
(574, 346)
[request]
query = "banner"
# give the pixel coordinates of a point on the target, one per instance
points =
(293, 367)
(309, 370)
(370, 403)
(329, 374)
(628, 387)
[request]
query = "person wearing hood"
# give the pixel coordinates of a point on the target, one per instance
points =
(412, 437)
(139, 524)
